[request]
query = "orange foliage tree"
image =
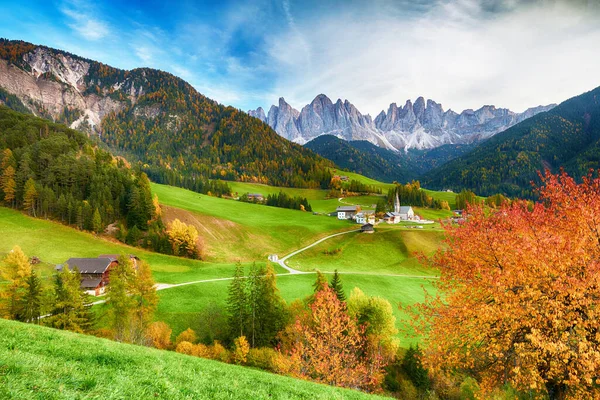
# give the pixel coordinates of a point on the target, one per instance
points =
(519, 294)
(331, 347)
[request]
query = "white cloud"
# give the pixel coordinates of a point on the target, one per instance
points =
(87, 26)
(462, 53)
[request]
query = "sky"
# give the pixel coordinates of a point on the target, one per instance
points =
(461, 53)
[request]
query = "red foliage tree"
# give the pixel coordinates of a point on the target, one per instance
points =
(519, 294)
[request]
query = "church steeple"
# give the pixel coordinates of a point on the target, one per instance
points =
(397, 204)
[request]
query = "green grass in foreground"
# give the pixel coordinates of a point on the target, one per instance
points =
(43, 363)
(180, 307)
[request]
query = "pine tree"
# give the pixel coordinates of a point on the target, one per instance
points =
(32, 299)
(336, 285)
(15, 269)
(237, 303)
(71, 309)
(270, 308)
(97, 221)
(30, 196)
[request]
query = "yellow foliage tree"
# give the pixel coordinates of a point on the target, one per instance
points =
(183, 238)
(241, 349)
(15, 269)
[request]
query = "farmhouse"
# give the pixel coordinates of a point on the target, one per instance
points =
(255, 197)
(367, 228)
(364, 217)
(95, 272)
(347, 212)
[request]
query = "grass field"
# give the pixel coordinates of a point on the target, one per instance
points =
(390, 250)
(259, 230)
(43, 363)
(181, 306)
(54, 243)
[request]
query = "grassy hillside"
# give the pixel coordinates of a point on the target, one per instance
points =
(260, 230)
(38, 362)
(54, 243)
(390, 250)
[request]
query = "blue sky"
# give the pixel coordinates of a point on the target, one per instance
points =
(462, 53)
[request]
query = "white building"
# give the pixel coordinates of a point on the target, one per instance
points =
(400, 213)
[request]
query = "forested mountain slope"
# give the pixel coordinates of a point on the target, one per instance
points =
(567, 136)
(51, 171)
(176, 133)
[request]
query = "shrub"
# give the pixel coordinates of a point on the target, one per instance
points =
(263, 358)
(159, 335)
(186, 336)
(185, 348)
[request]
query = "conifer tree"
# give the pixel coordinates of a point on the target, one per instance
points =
(30, 196)
(15, 269)
(237, 303)
(32, 299)
(321, 282)
(336, 285)
(97, 221)
(71, 308)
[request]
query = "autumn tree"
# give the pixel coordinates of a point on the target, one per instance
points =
(119, 299)
(376, 316)
(9, 185)
(15, 270)
(518, 294)
(331, 348)
(241, 350)
(183, 238)
(145, 299)
(30, 197)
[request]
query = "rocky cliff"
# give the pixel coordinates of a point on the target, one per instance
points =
(422, 125)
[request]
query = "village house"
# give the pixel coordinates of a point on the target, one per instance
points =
(255, 197)
(347, 212)
(95, 272)
(364, 217)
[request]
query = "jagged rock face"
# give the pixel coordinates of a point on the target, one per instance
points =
(421, 125)
(258, 113)
(52, 82)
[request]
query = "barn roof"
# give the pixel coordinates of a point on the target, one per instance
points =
(346, 208)
(88, 265)
(90, 283)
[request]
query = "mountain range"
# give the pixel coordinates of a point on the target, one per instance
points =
(419, 125)
(177, 135)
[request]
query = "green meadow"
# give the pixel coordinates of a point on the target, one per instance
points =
(233, 231)
(181, 307)
(44, 363)
(390, 250)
